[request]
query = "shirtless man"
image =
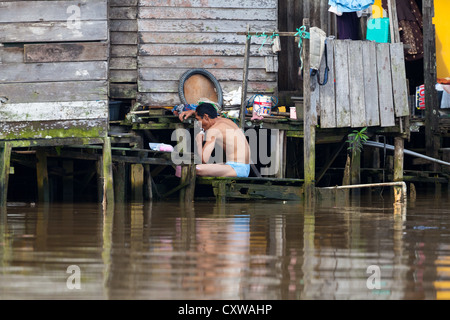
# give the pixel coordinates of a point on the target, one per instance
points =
(225, 133)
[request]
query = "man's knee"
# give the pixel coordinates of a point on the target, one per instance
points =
(200, 170)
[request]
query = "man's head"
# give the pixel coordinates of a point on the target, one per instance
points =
(206, 114)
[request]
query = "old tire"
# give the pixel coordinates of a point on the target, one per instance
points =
(202, 72)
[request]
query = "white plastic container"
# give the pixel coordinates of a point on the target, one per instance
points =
(262, 106)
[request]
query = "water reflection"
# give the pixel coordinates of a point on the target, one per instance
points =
(241, 250)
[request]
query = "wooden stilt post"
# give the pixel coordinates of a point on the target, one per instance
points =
(188, 177)
(120, 182)
(108, 184)
(245, 79)
(309, 143)
(430, 73)
(398, 166)
(355, 171)
(42, 176)
(5, 158)
(137, 182)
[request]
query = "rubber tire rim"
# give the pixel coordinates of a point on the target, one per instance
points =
(202, 72)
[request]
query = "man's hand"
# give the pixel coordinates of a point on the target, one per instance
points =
(186, 114)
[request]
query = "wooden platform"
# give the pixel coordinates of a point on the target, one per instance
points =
(254, 188)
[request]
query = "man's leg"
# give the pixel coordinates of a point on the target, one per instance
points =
(215, 170)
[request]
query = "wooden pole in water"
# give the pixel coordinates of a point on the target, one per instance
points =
(432, 140)
(398, 166)
(108, 184)
(137, 182)
(309, 140)
(5, 158)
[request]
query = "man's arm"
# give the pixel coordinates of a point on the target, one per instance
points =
(205, 150)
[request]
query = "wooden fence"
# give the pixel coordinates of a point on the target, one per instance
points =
(366, 85)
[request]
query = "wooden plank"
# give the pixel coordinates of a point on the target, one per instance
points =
(161, 74)
(123, 13)
(45, 11)
(47, 130)
(123, 3)
(48, 111)
(53, 32)
(211, 3)
(216, 26)
(198, 38)
(123, 91)
(371, 85)
(118, 51)
(387, 117)
(122, 37)
(399, 85)
(60, 52)
(126, 63)
(356, 81)
(200, 50)
(11, 55)
(54, 91)
(62, 71)
(208, 13)
(123, 26)
(328, 93)
(123, 76)
(343, 115)
(205, 62)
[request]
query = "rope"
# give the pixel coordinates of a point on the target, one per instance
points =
(266, 37)
(302, 34)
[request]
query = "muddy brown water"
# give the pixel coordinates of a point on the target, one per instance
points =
(240, 250)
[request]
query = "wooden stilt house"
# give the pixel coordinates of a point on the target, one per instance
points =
(62, 62)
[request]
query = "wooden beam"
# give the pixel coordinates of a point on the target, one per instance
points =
(430, 74)
(309, 141)
(245, 79)
(5, 158)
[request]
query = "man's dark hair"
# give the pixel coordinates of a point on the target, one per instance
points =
(206, 108)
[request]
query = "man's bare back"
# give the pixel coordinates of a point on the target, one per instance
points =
(225, 133)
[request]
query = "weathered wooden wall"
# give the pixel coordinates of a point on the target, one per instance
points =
(53, 69)
(369, 88)
(175, 36)
(124, 47)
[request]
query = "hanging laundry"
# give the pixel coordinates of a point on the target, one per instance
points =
(348, 26)
(410, 25)
(349, 5)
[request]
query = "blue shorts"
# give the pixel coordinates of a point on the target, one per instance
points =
(242, 169)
